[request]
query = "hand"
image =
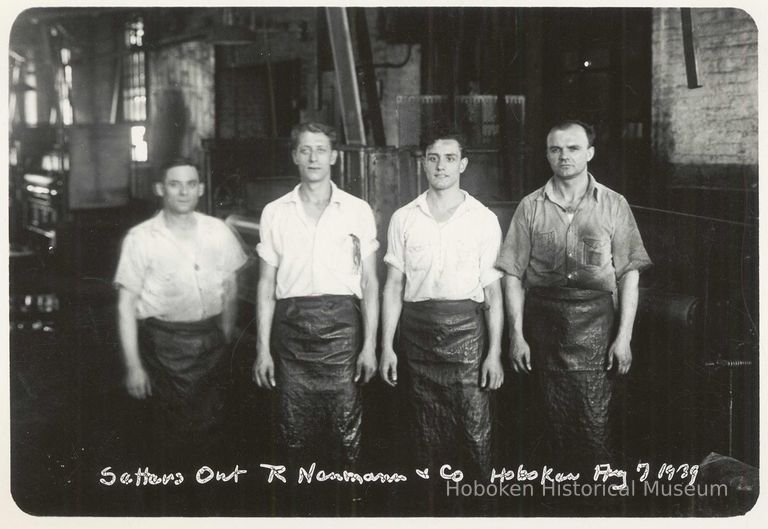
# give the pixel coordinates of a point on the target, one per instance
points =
(388, 367)
(137, 383)
(264, 371)
(366, 365)
(520, 354)
(621, 351)
(491, 373)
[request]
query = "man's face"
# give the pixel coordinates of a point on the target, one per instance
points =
(568, 152)
(314, 157)
(180, 189)
(443, 164)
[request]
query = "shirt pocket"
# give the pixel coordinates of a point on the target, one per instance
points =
(418, 257)
(164, 282)
(596, 252)
(544, 251)
(464, 261)
(348, 257)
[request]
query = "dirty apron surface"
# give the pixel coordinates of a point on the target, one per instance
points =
(315, 342)
(444, 344)
(569, 332)
(186, 363)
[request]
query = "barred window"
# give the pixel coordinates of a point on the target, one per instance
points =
(135, 87)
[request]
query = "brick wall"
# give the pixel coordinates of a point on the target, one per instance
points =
(706, 137)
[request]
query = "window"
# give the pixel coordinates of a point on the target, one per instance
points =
(64, 83)
(134, 90)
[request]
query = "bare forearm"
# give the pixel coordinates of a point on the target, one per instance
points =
(229, 308)
(494, 318)
(392, 306)
(370, 308)
(265, 313)
(628, 298)
(515, 297)
(128, 331)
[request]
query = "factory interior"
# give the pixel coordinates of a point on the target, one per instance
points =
(100, 97)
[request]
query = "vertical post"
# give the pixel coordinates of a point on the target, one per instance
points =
(346, 78)
(365, 55)
(691, 68)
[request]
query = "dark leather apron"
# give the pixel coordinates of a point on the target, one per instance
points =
(444, 345)
(315, 343)
(186, 364)
(569, 332)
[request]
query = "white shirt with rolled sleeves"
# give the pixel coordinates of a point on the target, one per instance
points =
(176, 281)
(317, 259)
(451, 260)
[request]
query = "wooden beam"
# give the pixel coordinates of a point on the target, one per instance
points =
(346, 75)
(691, 68)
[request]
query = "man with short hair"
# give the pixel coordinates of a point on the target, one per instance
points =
(177, 304)
(572, 258)
(317, 307)
(443, 290)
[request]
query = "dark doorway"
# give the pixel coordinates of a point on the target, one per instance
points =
(257, 101)
(597, 68)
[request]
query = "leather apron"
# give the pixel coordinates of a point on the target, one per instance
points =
(315, 343)
(186, 364)
(569, 332)
(444, 344)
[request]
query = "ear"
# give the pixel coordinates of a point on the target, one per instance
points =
(334, 156)
(200, 189)
(159, 189)
(590, 153)
(295, 157)
(463, 164)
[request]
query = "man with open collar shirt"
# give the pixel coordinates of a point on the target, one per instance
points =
(572, 258)
(445, 294)
(318, 308)
(177, 305)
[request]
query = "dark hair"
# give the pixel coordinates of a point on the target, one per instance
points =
(316, 127)
(567, 123)
(175, 162)
(440, 131)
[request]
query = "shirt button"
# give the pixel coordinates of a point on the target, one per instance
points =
(570, 276)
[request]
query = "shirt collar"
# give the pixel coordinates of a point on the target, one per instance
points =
(157, 223)
(470, 203)
(337, 195)
(593, 186)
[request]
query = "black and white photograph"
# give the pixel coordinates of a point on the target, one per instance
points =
(382, 261)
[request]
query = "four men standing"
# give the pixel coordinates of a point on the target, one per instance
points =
(572, 257)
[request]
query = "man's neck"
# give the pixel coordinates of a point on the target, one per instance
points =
(443, 203)
(571, 189)
(179, 221)
(445, 197)
(316, 192)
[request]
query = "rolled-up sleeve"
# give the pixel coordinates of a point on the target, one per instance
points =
(515, 252)
(234, 257)
(368, 242)
(266, 247)
(489, 251)
(627, 244)
(395, 243)
(132, 265)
